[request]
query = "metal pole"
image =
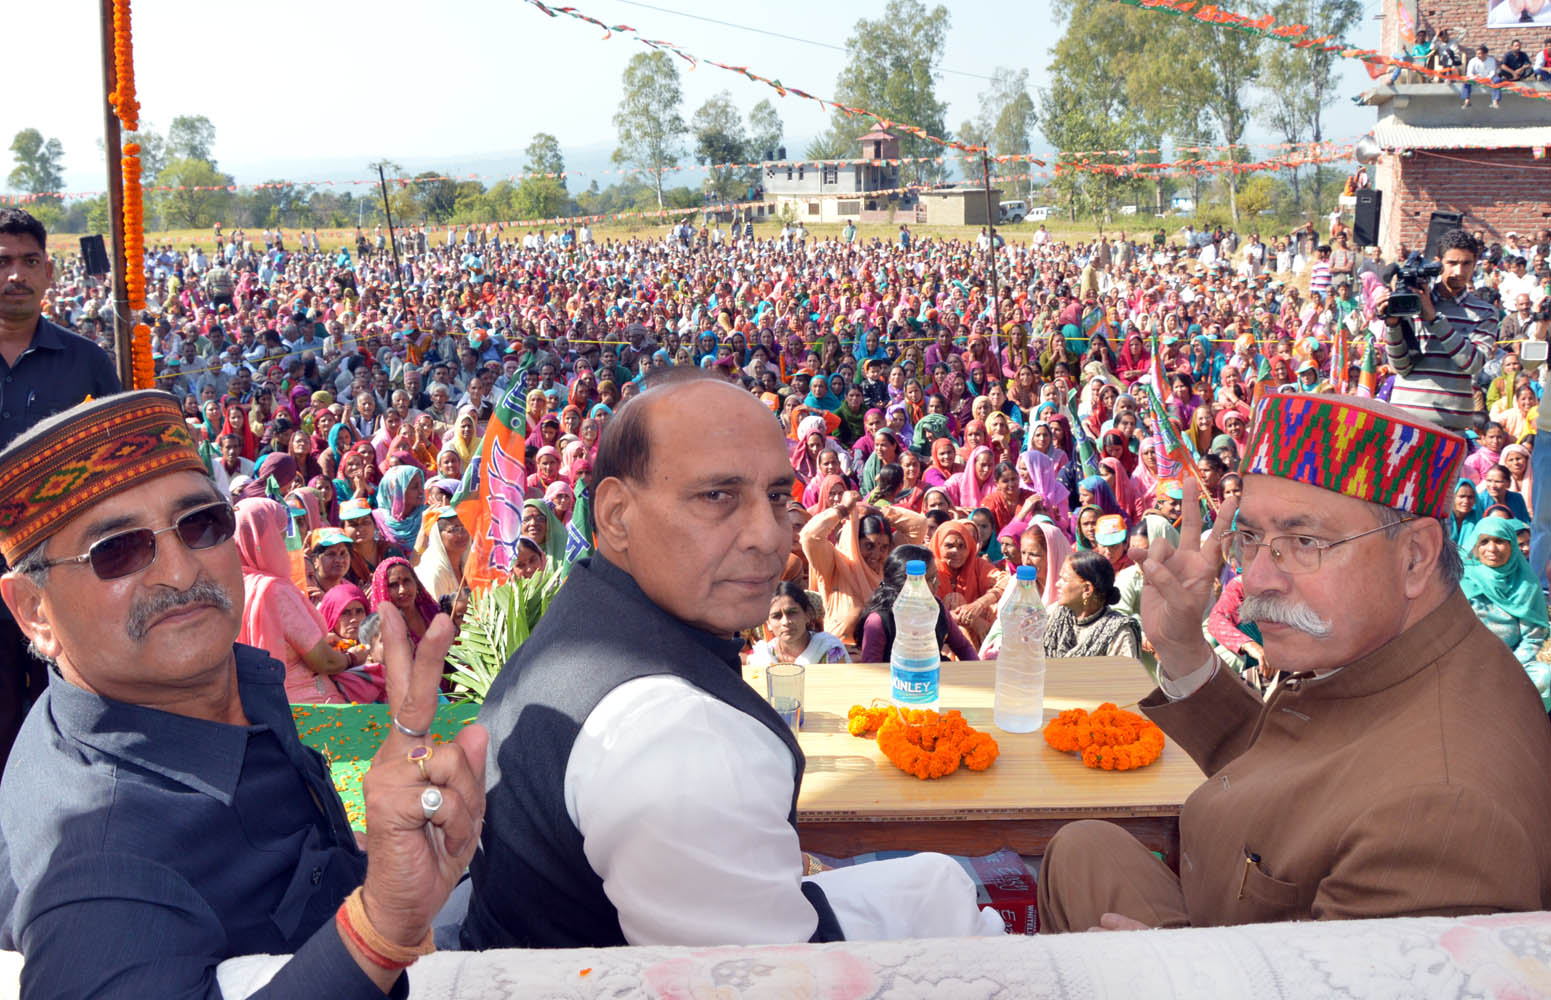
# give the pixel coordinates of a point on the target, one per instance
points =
(398, 275)
(985, 167)
(122, 320)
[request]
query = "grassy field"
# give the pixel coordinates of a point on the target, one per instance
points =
(333, 239)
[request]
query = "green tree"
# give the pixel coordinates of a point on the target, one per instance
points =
(720, 139)
(540, 198)
(1301, 83)
(199, 194)
(1083, 110)
(277, 203)
(891, 69)
(649, 120)
(1198, 78)
(1007, 119)
(434, 198)
(765, 129)
(543, 156)
(40, 165)
(191, 137)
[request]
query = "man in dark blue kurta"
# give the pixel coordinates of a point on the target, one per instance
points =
(161, 814)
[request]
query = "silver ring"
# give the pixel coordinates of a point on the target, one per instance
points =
(406, 730)
(430, 801)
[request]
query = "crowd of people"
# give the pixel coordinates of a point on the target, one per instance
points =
(764, 434)
(921, 408)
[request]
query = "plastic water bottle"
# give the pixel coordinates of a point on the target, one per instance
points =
(915, 661)
(1020, 666)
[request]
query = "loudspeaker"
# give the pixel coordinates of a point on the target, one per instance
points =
(1440, 223)
(94, 256)
(1365, 224)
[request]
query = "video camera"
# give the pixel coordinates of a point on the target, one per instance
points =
(1414, 274)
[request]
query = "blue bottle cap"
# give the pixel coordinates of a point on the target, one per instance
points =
(1027, 574)
(916, 567)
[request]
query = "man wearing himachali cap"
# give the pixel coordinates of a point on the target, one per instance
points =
(1399, 772)
(159, 813)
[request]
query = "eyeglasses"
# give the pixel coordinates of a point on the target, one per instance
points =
(1292, 554)
(132, 551)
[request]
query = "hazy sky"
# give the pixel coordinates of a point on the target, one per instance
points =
(318, 86)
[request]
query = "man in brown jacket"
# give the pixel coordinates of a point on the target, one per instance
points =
(1401, 771)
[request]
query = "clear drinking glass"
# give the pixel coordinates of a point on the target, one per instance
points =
(784, 688)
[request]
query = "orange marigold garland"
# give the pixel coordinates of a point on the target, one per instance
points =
(127, 109)
(122, 96)
(926, 744)
(143, 368)
(1109, 737)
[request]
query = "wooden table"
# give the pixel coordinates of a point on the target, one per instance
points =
(854, 801)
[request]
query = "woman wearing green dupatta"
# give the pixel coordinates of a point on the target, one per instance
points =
(1085, 518)
(1507, 598)
(1463, 517)
(540, 524)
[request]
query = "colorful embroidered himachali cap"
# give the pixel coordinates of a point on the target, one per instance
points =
(85, 455)
(1357, 447)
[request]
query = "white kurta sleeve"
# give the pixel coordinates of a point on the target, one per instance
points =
(682, 801)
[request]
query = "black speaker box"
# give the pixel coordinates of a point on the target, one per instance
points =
(94, 255)
(1440, 223)
(1365, 224)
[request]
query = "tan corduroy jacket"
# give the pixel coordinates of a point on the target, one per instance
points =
(1415, 781)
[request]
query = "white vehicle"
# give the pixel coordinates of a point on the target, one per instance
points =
(1014, 211)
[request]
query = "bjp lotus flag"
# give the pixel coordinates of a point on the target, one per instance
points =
(489, 500)
(1368, 381)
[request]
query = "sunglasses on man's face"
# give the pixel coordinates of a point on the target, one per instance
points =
(128, 552)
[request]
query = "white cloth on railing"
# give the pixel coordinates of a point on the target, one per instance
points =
(1423, 957)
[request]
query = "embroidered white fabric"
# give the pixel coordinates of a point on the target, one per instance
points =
(1507, 955)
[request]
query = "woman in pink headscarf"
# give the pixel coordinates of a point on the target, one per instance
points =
(546, 466)
(969, 487)
(562, 498)
(1041, 475)
(276, 615)
(574, 453)
(394, 582)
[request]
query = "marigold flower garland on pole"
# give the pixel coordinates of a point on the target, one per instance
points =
(127, 109)
(925, 744)
(1109, 737)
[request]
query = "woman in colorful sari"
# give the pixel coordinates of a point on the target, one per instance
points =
(276, 615)
(1507, 598)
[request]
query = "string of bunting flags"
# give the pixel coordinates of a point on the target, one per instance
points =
(1266, 26)
(609, 30)
(1298, 154)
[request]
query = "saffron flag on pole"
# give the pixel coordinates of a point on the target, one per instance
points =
(1175, 447)
(1368, 381)
(1096, 323)
(489, 500)
(1087, 453)
(1338, 363)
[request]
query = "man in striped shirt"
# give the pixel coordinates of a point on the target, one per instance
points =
(1436, 354)
(1320, 276)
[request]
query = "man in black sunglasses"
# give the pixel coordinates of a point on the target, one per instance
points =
(160, 793)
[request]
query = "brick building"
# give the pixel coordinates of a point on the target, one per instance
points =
(1488, 164)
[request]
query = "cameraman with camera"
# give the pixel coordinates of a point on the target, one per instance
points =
(1437, 335)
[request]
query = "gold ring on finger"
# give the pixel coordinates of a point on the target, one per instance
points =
(418, 756)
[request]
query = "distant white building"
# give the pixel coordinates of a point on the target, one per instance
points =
(864, 189)
(1182, 202)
